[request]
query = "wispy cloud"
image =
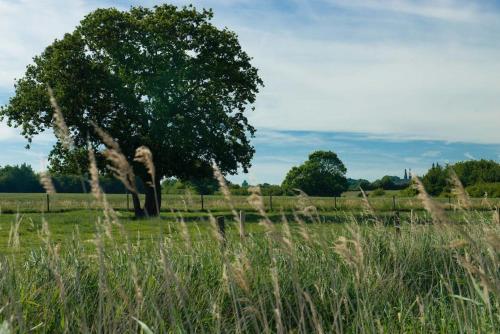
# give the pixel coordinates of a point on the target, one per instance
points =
(431, 154)
(469, 156)
(435, 9)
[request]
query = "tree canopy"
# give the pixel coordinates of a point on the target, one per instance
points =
(323, 174)
(472, 173)
(165, 77)
(17, 179)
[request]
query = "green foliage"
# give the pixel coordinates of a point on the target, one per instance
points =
(19, 179)
(477, 171)
(436, 180)
(271, 189)
(164, 77)
(408, 192)
(472, 172)
(23, 179)
(205, 186)
(322, 175)
(484, 189)
(354, 185)
(390, 183)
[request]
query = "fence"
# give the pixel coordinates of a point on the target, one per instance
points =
(215, 203)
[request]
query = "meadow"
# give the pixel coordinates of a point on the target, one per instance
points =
(303, 267)
(188, 202)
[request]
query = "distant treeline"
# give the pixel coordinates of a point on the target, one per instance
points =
(386, 183)
(23, 179)
(479, 177)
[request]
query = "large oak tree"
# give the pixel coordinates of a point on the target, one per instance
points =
(166, 78)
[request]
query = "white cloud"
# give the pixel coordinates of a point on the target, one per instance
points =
(435, 9)
(436, 90)
(326, 70)
(27, 27)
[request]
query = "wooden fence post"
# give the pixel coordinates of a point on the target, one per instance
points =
(335, 202)
(394, 203)
(242, 224)
(48, 202)
(271, 202)
(202, 203)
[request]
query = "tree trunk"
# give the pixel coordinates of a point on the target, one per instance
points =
(139, 212)
(152, 205)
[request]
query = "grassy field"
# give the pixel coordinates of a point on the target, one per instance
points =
(342, 271)
(37, 203)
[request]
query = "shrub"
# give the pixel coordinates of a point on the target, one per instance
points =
(480, 189)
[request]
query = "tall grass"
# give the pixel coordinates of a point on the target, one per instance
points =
(358, 278)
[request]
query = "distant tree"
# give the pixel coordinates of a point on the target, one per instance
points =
(244, 184)
(323, 174)
(406, 175)
(477, 171)
(205, 186)
(271, 189)
(355, 184)
(166, 78)
(390, 183)
(471, 172)
(19, 179)
(436, 180)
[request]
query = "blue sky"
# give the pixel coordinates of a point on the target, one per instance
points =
(386, 84)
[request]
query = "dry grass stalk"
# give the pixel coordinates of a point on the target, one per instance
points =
(54, 259)
(303, 230)
(368, 208)
(185, 234)
(487, 281)
(496, 216)
(14, 241)
(315, 317)
(120, 167)
(286, 235)
(225, 191)
(94, 175)
(106, 138)
(437, 212)
(109, 214)
(60, 128)
(239, 268)
(256, 201)
(144, 156)
(459, 190)
(215, 229)
(280, 329)
(351, 252)
(46, 182)
(306, 206)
